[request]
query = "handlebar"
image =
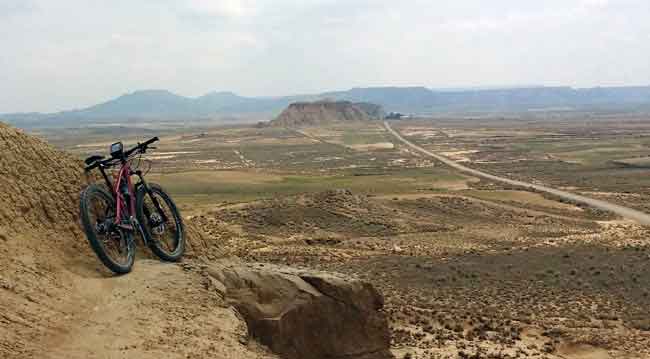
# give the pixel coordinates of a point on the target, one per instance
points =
(139, 148)
(105, 163)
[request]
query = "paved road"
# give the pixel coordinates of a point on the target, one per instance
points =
(625, 212)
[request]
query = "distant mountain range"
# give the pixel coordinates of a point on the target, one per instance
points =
(162, 104)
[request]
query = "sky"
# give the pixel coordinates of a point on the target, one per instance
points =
(65, 54)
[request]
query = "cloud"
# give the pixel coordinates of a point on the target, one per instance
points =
(595, 3)
(15, 7)
(232, 9)
(529, 19)
(71, 53)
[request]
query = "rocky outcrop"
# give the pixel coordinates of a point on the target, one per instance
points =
(305, 313)
(314, 113)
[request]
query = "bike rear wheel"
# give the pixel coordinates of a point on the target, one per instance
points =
(113, 245)
(164, 231)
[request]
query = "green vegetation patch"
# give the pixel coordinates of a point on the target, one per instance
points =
(236, 186)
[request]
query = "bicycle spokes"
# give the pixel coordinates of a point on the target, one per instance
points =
(117, 246)
(111, 238)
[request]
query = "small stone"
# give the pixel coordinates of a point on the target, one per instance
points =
(4, 236)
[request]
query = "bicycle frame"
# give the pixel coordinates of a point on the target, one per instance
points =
(124, 174)
(123, 185)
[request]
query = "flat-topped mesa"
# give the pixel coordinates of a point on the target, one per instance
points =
(314, 113)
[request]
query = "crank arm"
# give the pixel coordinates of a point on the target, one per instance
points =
(136, 224)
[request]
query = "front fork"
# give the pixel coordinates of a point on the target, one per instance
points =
(146, 210)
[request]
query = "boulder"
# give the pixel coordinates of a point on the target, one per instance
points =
(305, 313)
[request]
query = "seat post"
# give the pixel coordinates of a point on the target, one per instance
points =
(108, 181)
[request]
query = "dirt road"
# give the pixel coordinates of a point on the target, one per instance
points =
(629, 213)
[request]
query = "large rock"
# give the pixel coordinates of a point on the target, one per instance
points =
(303, 313)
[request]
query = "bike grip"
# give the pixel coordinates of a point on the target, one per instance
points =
(150, 141)
(92, 167)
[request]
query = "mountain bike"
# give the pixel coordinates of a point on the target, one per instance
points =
(113, 213)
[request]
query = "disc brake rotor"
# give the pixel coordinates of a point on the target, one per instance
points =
(158, 226)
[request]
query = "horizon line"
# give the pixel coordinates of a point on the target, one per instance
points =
(430, 88)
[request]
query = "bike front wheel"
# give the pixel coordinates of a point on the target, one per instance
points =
(113, 245)
(161, 223)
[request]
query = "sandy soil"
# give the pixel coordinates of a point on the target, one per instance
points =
(465, 277)
(373, 146)
(158, 311)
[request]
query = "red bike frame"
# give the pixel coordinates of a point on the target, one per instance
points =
(122, 186)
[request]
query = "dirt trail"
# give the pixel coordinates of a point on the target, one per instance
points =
(629, 213)
(160, 310)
